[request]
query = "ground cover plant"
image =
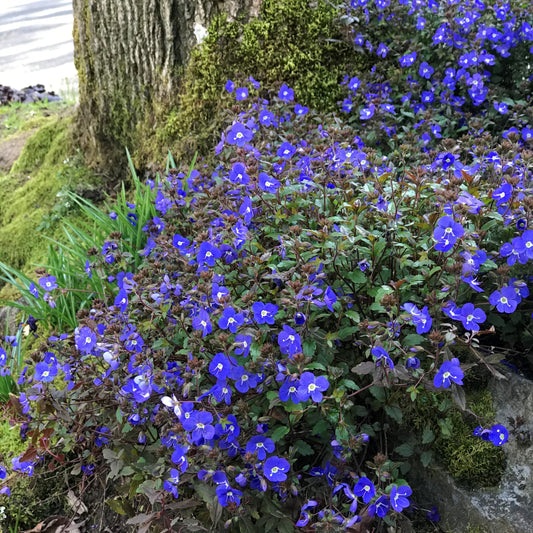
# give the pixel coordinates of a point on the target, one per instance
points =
(254, 355)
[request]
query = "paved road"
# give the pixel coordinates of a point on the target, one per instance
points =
(36, 44)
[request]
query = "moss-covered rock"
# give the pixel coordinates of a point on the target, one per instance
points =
(448, 433)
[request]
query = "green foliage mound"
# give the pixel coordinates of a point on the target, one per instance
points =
(259, 329)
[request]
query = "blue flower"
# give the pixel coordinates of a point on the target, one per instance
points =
(207, 253)
(241, 94)
(330, 298)
(446, 233)
(412, 362)
(227, 495)
(230, 320)
(380, 507)
(289, 341)
(238, 174)
(286, 150)
(239, 135)
(501, 107)
(33, 290)
(244, 381)
(85, 340)
(382, 50)
(305, 516)
(230, 86)
(505, 300)
(408, 59)
(472, 317)
(448, 372)
(101, 437)
(301, 110)
(498, 435)
(267, 183)
(264, 313)
(365, 488)
(260, 445)
(201, 426)
(433, 514)
(286, 94)
(421, 319)
(121, 300)
(299, 319)
(399, 497)
(275, 469)
(312, 387)
(289, 390)
(221, 392)
(425, 70)
(45, 372)
(367, 112)
(354, 84)
(243, 343)
(266, 117)
(181, 243)
(48, 283)
(220, 366)
(380, 353)
(201, 322)
(502, 193)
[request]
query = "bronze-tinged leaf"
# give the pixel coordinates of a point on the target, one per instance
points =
(29, 455)
(364, 368)
(467, 177)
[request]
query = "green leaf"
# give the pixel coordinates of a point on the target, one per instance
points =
(412, 340)
(309, 347)
(315, 366)
(119, 506)
(349, 384)
(378, 393)
(345, 333)
(279, 433)
(427, 435)
(303, 448)
(394, 412)
(405, 450)
(354, 315)
(445, 426)
(320, 427)
(426, 457)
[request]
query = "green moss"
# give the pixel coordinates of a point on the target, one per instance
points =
(29, 192)
(39, 145)
(471, 460)
(292, 41)
(29, 503)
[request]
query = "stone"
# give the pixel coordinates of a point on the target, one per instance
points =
(28, 95)
(507, 508)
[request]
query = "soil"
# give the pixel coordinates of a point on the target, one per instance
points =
(11, 148)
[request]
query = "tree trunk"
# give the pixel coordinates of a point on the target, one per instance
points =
(128, 54)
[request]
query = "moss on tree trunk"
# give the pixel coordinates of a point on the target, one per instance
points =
(146, 85)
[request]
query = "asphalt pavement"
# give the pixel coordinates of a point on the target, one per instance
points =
(36, 44)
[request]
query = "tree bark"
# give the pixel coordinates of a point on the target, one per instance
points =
(128, 54)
